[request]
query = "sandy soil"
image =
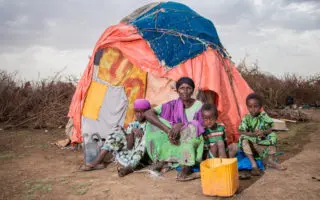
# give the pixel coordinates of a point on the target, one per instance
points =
(32, 167)
(300, 181)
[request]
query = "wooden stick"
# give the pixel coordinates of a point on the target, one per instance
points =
(288, 120)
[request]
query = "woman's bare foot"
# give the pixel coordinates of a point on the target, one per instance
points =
(90, 167)
(185, 171)
(157, 166)
(186, 174)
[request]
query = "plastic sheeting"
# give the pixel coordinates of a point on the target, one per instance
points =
(117, 70)
(244, 162)
(209, 70)
(112, 113)
(160, 90)
(94, 100)
(176, 33)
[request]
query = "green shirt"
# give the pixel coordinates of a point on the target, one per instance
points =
(251, 124)
(212, 136)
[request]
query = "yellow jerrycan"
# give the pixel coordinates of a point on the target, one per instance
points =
(219, 177)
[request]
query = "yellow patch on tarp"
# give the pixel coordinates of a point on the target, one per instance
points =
(94, 100)
(113, 67)
(117, 70)
(135, 87)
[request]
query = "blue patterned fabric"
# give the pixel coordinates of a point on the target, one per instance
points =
(176, 33)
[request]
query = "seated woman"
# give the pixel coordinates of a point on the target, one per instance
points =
(257, 138)
(128, 146)
(174, 134)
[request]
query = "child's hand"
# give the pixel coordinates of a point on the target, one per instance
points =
(137, 132)
(260, 133)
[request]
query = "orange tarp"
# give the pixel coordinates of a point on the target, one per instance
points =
(209, 71)
(160, 90)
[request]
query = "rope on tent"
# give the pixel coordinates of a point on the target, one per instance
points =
(179, 34)
(163, 10)
(175, 33)
(206, 44)
(223, 52)
(201, 73)
(148, 15)
(139, 12)
(230, 77)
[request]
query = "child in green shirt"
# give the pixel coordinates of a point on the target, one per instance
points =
(257, 137)
(214, 135)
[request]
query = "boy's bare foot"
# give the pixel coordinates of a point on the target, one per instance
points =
(275, 165)
(255, 171)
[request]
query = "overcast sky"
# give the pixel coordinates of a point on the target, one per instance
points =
(40, 37)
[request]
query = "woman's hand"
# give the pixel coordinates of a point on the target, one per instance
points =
(174, 133)
(176, 128)
(137, 132)
(174, 139)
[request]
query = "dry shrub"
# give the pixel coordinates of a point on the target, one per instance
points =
(41, 104)
(45, 103)
(274, 90)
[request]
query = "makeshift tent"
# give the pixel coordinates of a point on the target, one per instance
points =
(142, 57)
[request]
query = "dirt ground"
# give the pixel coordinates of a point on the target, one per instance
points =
(32, 167)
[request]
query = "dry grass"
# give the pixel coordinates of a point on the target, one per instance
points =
(41, 104)
(45, 103)
(274, 90)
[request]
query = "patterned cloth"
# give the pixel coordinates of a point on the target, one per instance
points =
(256, 149)
(259, 146)
(212, 136)
(251, 124)
(116, 142)
(189, 151)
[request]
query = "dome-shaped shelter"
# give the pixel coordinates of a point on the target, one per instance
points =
(142, 56)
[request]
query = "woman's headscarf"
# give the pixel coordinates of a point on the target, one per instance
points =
(185, 80)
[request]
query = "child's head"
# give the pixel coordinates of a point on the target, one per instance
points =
(140, 107)
(254, 104)
(209, 115)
